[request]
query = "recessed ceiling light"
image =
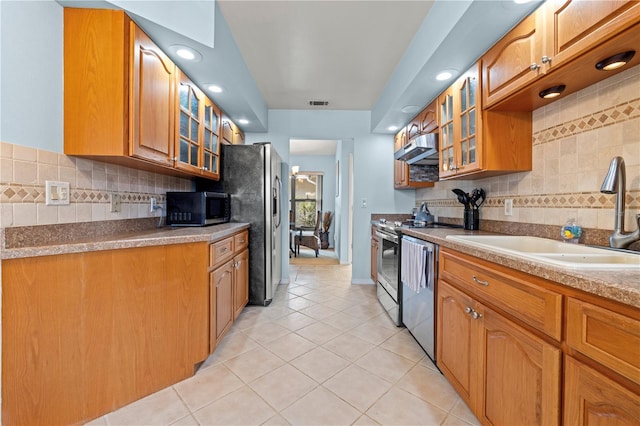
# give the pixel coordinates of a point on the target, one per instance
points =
(445, 75)
(392, 128)
(408, 109)
(185, 52)
(214, 88)
(243, 121)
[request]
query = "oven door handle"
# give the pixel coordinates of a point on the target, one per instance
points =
(387, 237)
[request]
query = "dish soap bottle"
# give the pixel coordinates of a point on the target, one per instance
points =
(571, 231)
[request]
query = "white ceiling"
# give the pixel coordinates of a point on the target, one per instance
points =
(342, 52)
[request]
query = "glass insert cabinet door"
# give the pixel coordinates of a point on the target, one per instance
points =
(467, 93)
(447, 159)
(189, 124)
(211, 142)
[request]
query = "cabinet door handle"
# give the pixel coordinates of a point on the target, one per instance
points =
(534, 67)
(476, 315)
(468, 310)
(546, 59)
(477, 281)
(224, 250)
(241, 241)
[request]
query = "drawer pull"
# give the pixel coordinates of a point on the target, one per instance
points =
(477, 281)
(476, 315)
(224, 250)
(241, 241)
(468, 310)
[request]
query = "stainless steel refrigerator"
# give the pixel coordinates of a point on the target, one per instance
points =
(252, 175)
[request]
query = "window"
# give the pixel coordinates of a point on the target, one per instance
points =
(306, 190)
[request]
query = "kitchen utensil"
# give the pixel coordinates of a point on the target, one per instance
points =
(480, 199)
(463, 197)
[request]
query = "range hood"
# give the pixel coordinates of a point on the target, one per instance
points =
(421, 150)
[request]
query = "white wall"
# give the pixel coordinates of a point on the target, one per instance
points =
(326, 164)
(373, 173)
(31, 79)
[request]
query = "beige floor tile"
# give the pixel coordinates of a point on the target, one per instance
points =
(452, 420)
(290, 346)
(161, 408)
(300, 290)
(404, 344)
(321, 295)
(100, 421)
(319, 364)
(348, 346)
(275, 311)
(247, 320)
(242, 407)
(365, 420)
(207, 386)
(231, 346)
(295, 321)
(266, 332)
(385, 364)
(283, 386)
(398, 407)
(299, 303)
(338, 303)
(186, 421)
(318, 311)
(343, 321)
(320, 407)
(426, 362)
(429, 386)
(253, 364)
(357, 386)
(373, 333)
(319, 332)
(462, 411)
(276, 420)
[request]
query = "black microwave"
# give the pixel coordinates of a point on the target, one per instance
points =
(198, 208)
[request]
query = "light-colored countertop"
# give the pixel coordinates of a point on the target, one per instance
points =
(152, 237)
(619, 285)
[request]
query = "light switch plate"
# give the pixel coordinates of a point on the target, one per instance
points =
(56, 193)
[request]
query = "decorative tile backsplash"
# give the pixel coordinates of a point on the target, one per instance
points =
(574, 140)
(24, 170)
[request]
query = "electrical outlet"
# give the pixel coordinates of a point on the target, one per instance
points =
(56, 193)
(153, 205)
(508, 207)
(364, 203)
(115, 200)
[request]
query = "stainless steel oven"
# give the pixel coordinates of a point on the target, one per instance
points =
(387, 285)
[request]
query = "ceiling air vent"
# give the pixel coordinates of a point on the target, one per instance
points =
(318, 103)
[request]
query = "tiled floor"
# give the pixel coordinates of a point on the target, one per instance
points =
(323, 353)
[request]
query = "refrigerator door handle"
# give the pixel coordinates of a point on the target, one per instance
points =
(276, 201)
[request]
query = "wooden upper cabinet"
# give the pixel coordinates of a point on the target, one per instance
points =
(152, 74)
(558, 32)
(414, 127)
(197, 142)
(429, 118)
(477, 143)
(189, 116)
(226, 129)
(514, 61)
(573, 27)
(238, 136)
(211, 140)
(119, 89)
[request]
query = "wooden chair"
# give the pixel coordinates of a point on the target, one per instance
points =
(309, 238)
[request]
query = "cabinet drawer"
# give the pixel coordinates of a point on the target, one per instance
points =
(220, 251)
(240, 241)
(606, 336)
(509, 290)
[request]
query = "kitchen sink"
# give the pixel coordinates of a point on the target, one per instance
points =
(553, 252)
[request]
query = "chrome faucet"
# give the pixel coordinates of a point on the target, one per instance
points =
(615, 183)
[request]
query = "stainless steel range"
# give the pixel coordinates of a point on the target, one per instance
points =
(388, 264)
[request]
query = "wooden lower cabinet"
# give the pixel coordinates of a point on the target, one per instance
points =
(222, 299)
(240, 283)
(506, 374)
(229, 284)
(591, 398)
(86, 333)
